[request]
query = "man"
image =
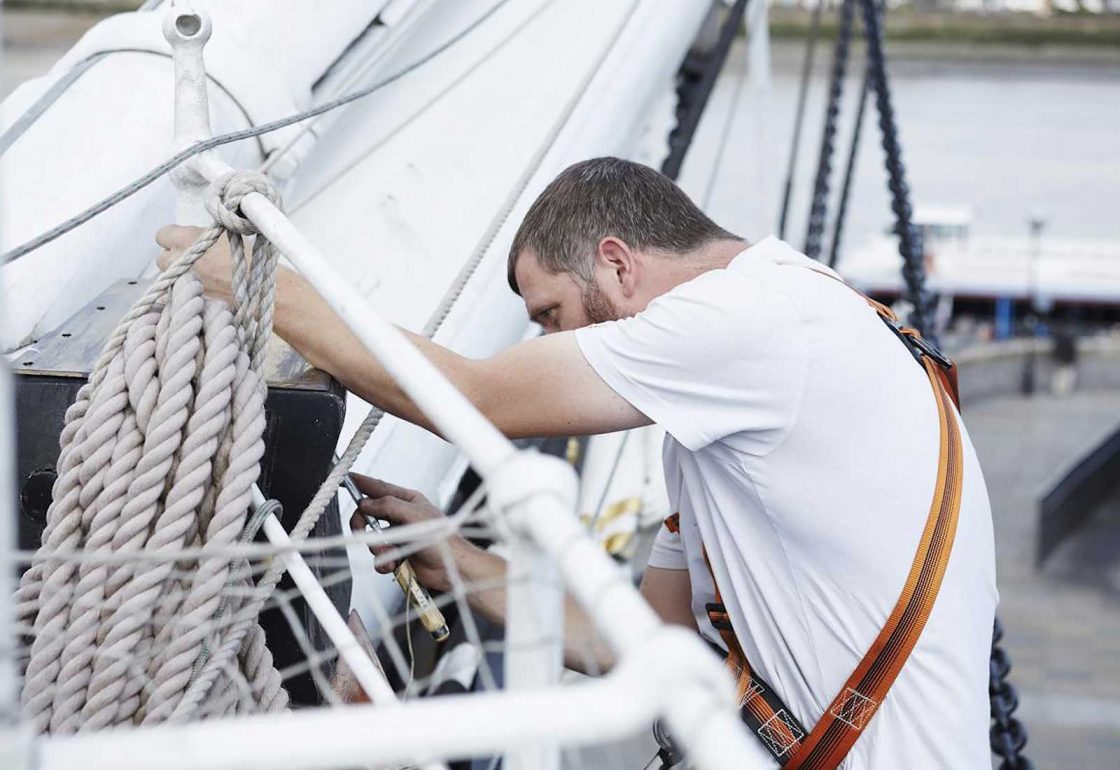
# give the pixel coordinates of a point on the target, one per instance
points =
(802, 445)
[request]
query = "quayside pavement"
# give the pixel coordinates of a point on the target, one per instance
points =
(1062, 621)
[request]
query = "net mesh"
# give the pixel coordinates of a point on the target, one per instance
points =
(308, 669)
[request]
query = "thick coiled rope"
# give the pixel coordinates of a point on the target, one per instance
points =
(159, 453)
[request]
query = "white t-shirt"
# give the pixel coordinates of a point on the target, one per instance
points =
(802, 450)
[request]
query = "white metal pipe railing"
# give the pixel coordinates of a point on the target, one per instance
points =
(353, 735)
(601, 710)
(534, 638)
(349, 649)
(187, 32)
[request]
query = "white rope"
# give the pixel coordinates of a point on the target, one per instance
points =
(160, 452)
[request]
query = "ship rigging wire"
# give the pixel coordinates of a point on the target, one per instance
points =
(408, 120)
(235, 136)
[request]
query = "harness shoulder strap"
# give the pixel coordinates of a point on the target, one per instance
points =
(760, 708)
(852, 709)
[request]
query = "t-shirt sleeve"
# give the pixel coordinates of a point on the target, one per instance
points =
(719, 355)
(668, 551)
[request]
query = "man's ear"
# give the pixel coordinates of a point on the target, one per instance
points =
(620, 262)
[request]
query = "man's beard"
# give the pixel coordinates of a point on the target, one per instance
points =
(596, 304)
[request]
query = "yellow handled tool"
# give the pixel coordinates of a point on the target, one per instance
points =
(418, 596)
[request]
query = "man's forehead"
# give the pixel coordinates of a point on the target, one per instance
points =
(540, 288)
(532, 279)
(526, 267)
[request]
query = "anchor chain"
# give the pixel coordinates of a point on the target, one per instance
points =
(909, 238)
(1008, 736)
(818, 211)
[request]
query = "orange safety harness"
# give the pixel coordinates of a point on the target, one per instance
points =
(826, 745)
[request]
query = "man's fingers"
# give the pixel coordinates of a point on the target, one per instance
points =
(391, 509)
(380, 551)
(378, 488)
(382, 563)
(177, 236)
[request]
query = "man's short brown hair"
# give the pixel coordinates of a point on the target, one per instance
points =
(603, 197)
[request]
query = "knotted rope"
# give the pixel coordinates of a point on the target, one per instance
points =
(159, 452)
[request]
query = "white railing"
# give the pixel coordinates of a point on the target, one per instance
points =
(663, 672)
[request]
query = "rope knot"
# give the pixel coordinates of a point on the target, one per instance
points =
(228, 192)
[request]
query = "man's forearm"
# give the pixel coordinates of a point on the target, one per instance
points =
(316, 331)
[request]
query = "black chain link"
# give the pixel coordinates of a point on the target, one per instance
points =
(1008, 736)
(818, 211)
(849, 171)
(799, 115)
(909, 239)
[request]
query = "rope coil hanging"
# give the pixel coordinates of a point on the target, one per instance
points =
(160, 452)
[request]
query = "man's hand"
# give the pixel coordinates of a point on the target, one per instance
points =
(483, 573)
(213, 269)
(398, 505)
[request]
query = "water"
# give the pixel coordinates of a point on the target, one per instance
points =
(1004, 138)
(1007, 138)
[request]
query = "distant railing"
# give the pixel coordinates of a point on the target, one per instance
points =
(1093, 478)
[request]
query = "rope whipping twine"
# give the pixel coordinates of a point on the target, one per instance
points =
(159, 452)
(235, 136)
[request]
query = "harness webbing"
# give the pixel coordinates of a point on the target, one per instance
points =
(852, 709)
(760, 708)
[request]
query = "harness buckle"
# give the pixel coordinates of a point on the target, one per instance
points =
(718, 617)
(918, 345)
(933, 352)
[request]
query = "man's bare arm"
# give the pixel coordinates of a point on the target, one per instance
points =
(541, 387)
